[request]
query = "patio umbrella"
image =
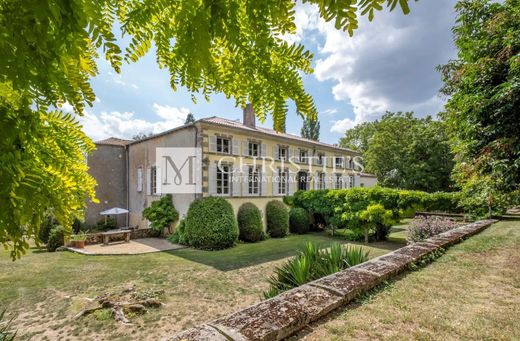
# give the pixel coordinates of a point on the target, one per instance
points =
(113, 211)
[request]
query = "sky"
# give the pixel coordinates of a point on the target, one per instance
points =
(389, 64)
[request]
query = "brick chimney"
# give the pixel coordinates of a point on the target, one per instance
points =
(249, 116)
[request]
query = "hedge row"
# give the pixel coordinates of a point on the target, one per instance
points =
(336, 206)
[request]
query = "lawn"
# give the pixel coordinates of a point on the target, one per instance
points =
(470, 293)
(43, 291)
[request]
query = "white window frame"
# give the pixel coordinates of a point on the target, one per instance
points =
(223, 179)
(251, 149)
(341, 161)
(220, 145)
(153, 180)
(139, 179)
(321, 180)
(285, 152)
(303, 156)
(253, 183)
(283, 184)
(338, 182)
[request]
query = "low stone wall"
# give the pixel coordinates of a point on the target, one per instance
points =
(97, 238)
(285, 314)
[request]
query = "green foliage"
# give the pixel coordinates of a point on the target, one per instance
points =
(161, 213)
(57, 237)
(189, 118)
(6, 333)
(277, 217)
(312, 263)
(250, 225)
(342, 208)
(288, 200)
(105, 224)
(416, 158)
(484, 99)
(45, 229)
(379, 219)
(179, 236)
(211, 224)
(48, 54)
(299, 221)
(80, 236)
(311, 129)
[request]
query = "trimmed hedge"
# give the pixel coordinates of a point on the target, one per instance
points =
(299, 220)
(211, 224)
(277, 217)
(249, 220)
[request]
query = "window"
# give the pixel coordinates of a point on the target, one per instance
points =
(302, 181)
(282, 153)
(339, 181)
(303, 156)
(253, 181)
(321, 181)
(350, 163)
(254, 149)
(139, 179)
(351, 181)
(223, 145)
(153, 180)
(223, 180)
(338, 161)
(282, 183)
(320, 159)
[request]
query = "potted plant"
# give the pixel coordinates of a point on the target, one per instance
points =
(78, 240)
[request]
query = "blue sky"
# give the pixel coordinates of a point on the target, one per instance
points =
(389, 64)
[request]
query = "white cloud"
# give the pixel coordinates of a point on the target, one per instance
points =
(329, 112)
(126, 125)
(341, 125)
(118, 79)
(389, 63)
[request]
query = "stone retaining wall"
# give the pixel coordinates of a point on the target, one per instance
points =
(97, 238)
(285, 314)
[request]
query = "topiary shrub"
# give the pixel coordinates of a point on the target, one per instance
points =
(277, 217)
(211, 224)
(249, 220)
(299, 220)
(47, 225)
(161, 213)
(57, 237)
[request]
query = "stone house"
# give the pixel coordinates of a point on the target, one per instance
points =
(238, 161)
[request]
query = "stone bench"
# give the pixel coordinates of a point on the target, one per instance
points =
(106, 235)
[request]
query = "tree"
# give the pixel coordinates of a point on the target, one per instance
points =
(189, 118)
(404, 151)
(141, 136)
(48, 53)
(311, 129)
(483, 111)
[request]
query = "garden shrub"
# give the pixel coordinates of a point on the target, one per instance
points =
(378, 219)
(250, 225)
(178, 236)
(288, 200)
(426, 227)
(211, 224)
(312, 263)
(47, 225)
(109, 224)
(351, 234)
(277, 218)
(299, 220)
(161, 213)
(57, 237)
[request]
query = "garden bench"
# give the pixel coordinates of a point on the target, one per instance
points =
(106, 235)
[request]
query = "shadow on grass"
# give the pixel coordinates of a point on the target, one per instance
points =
(249, 254)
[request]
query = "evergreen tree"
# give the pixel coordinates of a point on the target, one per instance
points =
(311, 129)
(189, 119)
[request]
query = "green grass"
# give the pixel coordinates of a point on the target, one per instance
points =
(45, 290)
(470, 293)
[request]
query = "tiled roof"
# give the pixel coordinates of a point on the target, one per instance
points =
(114, 141)
(238, 124)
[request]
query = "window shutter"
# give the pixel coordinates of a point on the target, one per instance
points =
(263, 183)
(276, 156)
(292, 183)
(236, 183)
(236, 147)
(139, 179)
(275, 181)
(263, 150)
(357, 180)
(212, 179)
(148, 181)
(213, 144)
(245, 182)
(245, 148)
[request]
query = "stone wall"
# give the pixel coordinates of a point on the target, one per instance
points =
(285, 314)
(97, 238)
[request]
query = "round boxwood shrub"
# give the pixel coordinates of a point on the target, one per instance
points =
(211, 224)
(56, 238)
(298, 220)
(250, 225)
(277, 219)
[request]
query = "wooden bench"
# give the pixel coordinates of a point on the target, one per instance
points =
(106, 235)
